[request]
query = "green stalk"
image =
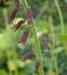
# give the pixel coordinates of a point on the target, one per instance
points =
(24, 2)
(38, 49)
(42, 9)
(51, 28)
(60, 16)
(5, 16)
(56, 65)
(53, 57)
(39, 56)
(61, 22)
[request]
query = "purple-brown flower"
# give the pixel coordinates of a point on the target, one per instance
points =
(15, 27)
(29, 15)
(27, 55)
(46, 43)
(13, 14)
(24, 37)
(37, 65)
(17, 3)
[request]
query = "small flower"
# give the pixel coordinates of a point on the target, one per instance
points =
(17, 3)
(24, 37)
(13, 14)
(37, 65)
(29, 15)
(16, 20)
(15, 27)
(46, 43)
(27, 55)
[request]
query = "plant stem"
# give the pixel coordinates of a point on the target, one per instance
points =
(39, 56)
(42, 9)
(51, 28)
(60, 16)
(61, 22)
(53, 57)
(5, 16)
(25, 5)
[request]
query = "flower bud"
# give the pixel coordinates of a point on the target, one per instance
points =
(29, 15)
(46, 44)
(13, 14)
(17, 3)
(15, 27)
(37, 65)
(24, 37)
(27, 55)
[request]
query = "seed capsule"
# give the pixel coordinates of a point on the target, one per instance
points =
(13, 14)
(15, 27)
(24, 37)
(29, 15)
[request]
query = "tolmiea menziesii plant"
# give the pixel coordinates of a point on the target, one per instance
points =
(24, 37)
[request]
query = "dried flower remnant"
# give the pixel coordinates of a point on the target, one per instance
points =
(15, 27)
(24, 38)
(29, 15)
(13, 14)
(17, 3)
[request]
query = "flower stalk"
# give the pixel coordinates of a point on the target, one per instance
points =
(39, 56)
(61, 23)
(60, 16)
(51, 28)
